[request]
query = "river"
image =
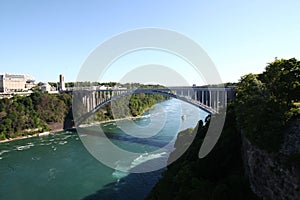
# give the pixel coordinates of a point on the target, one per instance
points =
(58, 166)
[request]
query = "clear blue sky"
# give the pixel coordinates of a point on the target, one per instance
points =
(46, 38)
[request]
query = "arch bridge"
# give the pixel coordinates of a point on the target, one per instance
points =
(211, 100)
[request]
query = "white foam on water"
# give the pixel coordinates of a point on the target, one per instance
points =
(119, 174)
(35, 158)
(45, 144)
(4, 151)
(120, 170)
(62, 142)
(66, 137)
(20, 148)
(123, 167)
(53, 147)
(146, 116)
(146, 157)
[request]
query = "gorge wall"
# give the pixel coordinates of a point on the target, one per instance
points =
(275, 175)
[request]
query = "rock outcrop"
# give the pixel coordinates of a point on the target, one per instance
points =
(275, 175)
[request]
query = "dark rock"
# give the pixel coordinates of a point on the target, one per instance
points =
(274, 175)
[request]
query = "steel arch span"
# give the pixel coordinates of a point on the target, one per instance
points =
(211, 100)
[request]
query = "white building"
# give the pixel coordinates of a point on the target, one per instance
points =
(15, 82)
(46, 87)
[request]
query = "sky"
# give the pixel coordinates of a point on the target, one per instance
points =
(48, 38)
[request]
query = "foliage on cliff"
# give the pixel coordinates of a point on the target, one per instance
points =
(127, 106)
(217, 176)
(265, 102)
(27, 115)
(33, 114)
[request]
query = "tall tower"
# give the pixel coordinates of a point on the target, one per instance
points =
(62, 86)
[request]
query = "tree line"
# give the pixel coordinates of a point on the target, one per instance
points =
(267, 102)
(22, 115)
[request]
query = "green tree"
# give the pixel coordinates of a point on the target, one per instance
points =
(282, 78)
(251, 96)
(264, 102)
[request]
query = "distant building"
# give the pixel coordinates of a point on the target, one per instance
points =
(15, 82)
(102, 87)
(45, 87)
(62, 85)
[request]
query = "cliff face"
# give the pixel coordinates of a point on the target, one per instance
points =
(219, 175)
(232, 168)
(275, 175)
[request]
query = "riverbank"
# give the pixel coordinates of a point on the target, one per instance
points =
(110, 120)
(59, 130)
(27, 136)
(33, 135)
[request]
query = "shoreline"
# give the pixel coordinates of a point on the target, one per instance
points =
(110, 120)
(59, 130)
(72, 128)
(30, 136)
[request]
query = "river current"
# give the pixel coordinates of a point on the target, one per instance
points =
(58, 166)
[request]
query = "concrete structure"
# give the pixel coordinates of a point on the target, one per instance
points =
(62, 85)
(45, 87)
(212, 100)
(15, 82)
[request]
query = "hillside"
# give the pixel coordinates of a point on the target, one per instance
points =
(39, 112)
(259, 147)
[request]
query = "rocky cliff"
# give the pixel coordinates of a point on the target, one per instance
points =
(275, 175)
(220, 175)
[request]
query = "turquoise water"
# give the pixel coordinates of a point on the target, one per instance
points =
(58, 166)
